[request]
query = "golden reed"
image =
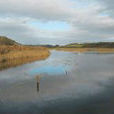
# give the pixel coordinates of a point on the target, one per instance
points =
(11, 56)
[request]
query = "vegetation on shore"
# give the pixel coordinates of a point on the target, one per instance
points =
(91, 45)
(100, 47)
(82, 50)
(13, 54)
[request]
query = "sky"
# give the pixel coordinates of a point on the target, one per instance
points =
(57, 21)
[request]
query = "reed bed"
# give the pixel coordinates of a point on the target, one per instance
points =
(11, 56)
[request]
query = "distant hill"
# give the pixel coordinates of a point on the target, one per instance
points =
(7, 41)
(91, 45)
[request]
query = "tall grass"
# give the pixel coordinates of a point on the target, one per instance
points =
(16, 55)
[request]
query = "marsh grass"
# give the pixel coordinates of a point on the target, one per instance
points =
(17, 55)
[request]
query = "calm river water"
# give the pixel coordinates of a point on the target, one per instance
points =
(65, 83)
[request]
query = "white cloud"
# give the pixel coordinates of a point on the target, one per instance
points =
(109, 6)
(39, 9)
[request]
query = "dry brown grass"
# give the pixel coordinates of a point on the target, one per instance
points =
(81, 50)
(16, 55)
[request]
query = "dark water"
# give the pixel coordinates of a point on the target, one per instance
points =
(68, 83)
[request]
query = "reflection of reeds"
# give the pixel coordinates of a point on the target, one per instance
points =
(18, 55)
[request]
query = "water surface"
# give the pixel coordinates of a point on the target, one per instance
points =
(68, 83)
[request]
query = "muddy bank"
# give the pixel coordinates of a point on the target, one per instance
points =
(81, 50)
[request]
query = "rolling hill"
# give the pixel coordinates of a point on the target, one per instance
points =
(7, 41)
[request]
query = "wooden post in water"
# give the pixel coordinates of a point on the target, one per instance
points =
(38, 82)
(66, 72)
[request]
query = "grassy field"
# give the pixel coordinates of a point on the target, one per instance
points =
(14, 55)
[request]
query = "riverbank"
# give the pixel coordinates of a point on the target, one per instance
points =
(11, 56)
(82, 50)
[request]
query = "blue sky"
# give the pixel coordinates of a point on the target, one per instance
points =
(51, 25)
(57, 21)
